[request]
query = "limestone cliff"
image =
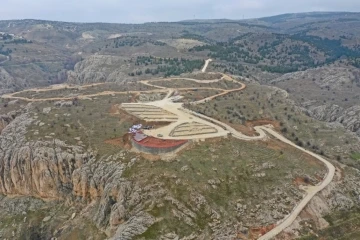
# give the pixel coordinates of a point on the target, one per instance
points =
(99, 68)
(7, 83)
(328, 93)
(121, 207)
(348, 117)
(54, 170)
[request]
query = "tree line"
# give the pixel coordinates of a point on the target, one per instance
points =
(166, 66)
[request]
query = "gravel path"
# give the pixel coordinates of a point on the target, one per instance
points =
(206, 65)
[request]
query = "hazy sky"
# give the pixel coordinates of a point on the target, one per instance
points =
(137, 11)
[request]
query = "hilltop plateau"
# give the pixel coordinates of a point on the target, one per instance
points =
(199, 129)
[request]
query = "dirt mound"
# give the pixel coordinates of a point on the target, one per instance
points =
(302, 181)
(256, 232)
(114, 109)
(123, 142)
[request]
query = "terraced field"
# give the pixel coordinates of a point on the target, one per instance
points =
(192, 128)
(149, 113)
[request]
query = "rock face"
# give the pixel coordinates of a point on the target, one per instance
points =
(35, 168)
(6, 119)
(328, 94)
(54, 170)
(99, 68)
(333, 77)
(7, 82)
(342, 194)
(349, 118)
(119, 206)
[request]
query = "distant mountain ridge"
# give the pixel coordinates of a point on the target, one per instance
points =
(268, 19)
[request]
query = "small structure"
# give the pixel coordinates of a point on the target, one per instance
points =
(139, 136)
(135, 128)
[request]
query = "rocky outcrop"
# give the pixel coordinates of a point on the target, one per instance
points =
(38, 169)
(54, 170)
(333, 77)
(7, 82)
(99, 68)
(342, 194)
(5, 120)
(326, 93)
(349, 118)
(136, 225)
(119, 206)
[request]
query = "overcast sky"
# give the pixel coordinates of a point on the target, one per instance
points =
(138, 11)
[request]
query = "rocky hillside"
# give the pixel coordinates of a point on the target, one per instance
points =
(119, 194)
(39, 53)
(67, 170)
(56, 171)
(99, 68)
(330, 94)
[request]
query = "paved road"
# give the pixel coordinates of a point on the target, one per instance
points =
(206, 65)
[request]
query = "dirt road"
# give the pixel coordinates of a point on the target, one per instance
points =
(220, 94)
(262, 130)
(206, 65)
(66, 86)
(311, 191)
(222, 129)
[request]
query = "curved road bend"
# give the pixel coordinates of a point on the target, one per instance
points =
(311, 191)
(233, 132)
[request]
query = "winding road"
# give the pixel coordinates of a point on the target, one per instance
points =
(262, 131)
(223, 129)
(311, 191)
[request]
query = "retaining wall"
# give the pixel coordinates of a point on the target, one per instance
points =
(153, 150)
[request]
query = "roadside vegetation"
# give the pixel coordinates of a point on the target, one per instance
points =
(343, 226)
(261, 104)
(166, 66)
(227, 173)
(277, 53)
(77, 123)
(70, 92)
